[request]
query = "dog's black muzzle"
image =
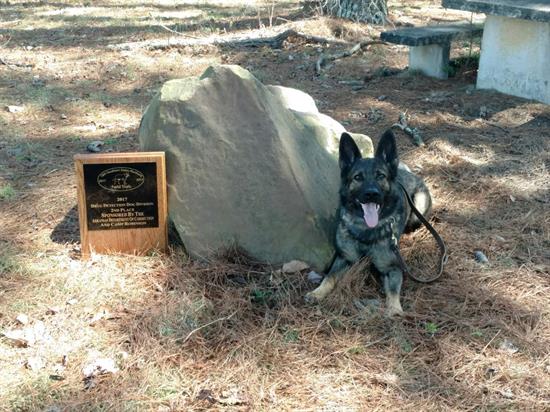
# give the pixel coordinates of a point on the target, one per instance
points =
(371, 195)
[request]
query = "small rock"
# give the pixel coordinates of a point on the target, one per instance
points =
(508, 346)
(63, 116)
(22, 319)
(382, 98)
(483, 112)
(480, 257)
(314, 277)
(95, 146)
(35, 363)
(15, 109)
(294, 266)
(290, 57)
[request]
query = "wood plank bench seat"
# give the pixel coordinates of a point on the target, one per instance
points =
(430, 45)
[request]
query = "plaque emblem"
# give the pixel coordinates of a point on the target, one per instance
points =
(120, 179)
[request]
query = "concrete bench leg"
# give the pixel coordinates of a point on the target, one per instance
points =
(515, 57)
(432, 60)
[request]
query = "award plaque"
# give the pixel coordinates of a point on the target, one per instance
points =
(122, 202)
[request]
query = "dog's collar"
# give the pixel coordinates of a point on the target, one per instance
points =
(384, 230)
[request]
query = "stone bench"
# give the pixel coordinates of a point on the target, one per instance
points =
(430, 45)
(515, 52)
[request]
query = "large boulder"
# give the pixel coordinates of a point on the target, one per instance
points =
(248, 164)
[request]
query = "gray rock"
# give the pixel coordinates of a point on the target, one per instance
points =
(247, 164)
(314, 277)
(95, 146)
(480, 257)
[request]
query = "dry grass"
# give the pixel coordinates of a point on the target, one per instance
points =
(235, 334)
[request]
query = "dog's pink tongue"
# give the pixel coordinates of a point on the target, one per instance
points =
(370, 214)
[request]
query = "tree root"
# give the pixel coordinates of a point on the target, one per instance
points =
(411, 131)
(232, 41)
(323, 59)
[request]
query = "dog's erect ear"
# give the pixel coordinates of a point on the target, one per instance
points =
(349, 152)
(387, 151)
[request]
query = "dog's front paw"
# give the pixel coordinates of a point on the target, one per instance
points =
(311, 298)
(394, 311)
(393, 306)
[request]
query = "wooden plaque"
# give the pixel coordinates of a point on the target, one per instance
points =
(122, 203)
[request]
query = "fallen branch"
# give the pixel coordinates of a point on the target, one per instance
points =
(206, 325)
(229, 41)
(9, 64)
(157, 22)
(322, 60)
(411, 131)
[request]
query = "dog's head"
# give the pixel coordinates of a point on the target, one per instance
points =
(366, 183)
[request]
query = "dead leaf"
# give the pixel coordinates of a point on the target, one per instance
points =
(100, 366)
(15, 109)
(231, 397)
(103, 314)
(206, 395)
(35, 363)
(508, 346)
(294, 266)
(22, 319)
(53, 310)
(22, 338)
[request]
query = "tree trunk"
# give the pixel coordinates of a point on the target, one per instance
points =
(369, 11)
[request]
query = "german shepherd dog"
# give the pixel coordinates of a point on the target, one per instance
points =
(372, 208)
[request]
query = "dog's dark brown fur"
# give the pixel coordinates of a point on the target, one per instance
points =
(370, 185)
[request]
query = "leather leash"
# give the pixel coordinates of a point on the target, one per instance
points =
(442, 248)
